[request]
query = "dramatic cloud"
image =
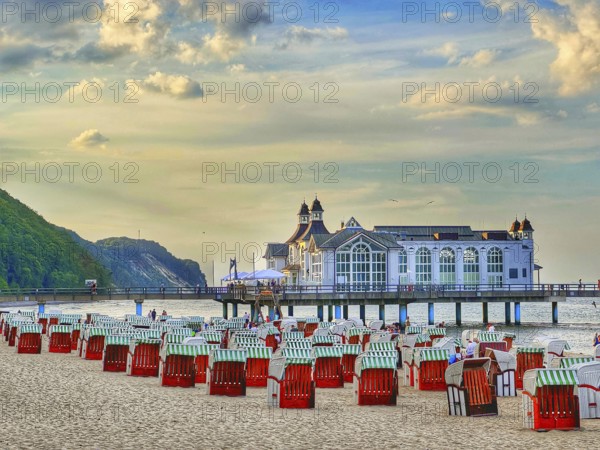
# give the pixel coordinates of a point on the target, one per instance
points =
(89, 139)
(576, 36)
(302, 35)
(177, 86)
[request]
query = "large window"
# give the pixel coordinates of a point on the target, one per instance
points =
(316, 273)
(495, 266)
(361, 264)
(423, 266)
(447, 266)
(471, 266)
(403, 266)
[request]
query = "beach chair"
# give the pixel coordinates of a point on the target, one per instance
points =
(491, 340)
(358, 322)
(290, 383)
(341, 328)
(177, 365)
(305, 344)
(143, 357)
(554, 348)
(328, 340)
(114, 358)
(376, 325)
(469, 392)
(467, 335)
(349, 354)
(13, 328)
(328, 366)
(502, 372)
(322, 332)
(509, 339)
(430, 366)
(92, 345)
(257, 365)
(194, 322)
(528, 358)
(288, 324)
(408, 360)
(43, 319)
(201, 361)
(212, 337)
(310, 325)
(29, 338)
(550, 399)
(59, 339)
(566, 362)
(413, 330)
(435, 332)
(270, 335)
(588, 387)
(53, 319)
(353, 335)
(226, 373)
(375, 380)
(292, 336)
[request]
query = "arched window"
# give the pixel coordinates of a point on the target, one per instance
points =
(361, 264)
(471, 266)
(447, 266)
(423, 266)
(403, 266)
(495, 266)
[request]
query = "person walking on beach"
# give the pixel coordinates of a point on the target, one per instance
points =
(149, 314)
(594, 303)
(579, 287)
(407, 322)
(153, 315)
(470, 351)
(596, 340)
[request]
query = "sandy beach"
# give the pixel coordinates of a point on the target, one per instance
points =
(62, 401)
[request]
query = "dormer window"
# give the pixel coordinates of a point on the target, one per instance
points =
(303, 219)
(316, 216)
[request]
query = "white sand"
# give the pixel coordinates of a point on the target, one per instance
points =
(62, 401)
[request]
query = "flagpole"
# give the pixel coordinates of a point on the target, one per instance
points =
(213, 271)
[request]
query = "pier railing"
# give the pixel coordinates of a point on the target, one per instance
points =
(203, 292)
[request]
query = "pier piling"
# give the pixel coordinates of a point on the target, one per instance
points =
(554, 312)
(290, 311)
(138, 306)
(345, 310)
(338, 312)
(362, 314)
(517, 313)
(225, 310)
(507, 313)
(430, 314)
(382, 312)
(484, 312)
(320, 312)
(234, 309)
(458, 310)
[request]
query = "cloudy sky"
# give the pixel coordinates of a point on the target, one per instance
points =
(204, 125)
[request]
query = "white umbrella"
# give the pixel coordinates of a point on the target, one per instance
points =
(267, 274)
(232, 276)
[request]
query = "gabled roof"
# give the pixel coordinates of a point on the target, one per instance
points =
(314, 227)
(352, 223)
(341, 237)
(276, 250)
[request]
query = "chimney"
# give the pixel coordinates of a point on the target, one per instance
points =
(342, 225)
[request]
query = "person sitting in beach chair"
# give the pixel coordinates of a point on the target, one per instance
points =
(456, 356)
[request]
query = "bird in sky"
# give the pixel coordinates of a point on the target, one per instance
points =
(393, 200)
(432, 201)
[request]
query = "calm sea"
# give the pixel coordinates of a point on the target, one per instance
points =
(578, 318)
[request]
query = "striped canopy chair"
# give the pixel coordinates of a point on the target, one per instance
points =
(554, 348)
(212, 337)
(177, 366)
(257, 365)
(92, 344)
(116, 349)
(291, 383)
(375, 379)
(143, 357)
(491, 340)
(550, 399)
(59, 339)
(469, 392)
(567, 361)
(435, 332)
(328, 366)
(588, 377)
(502, 372)
(528, 358)
(349, 354)
(430, 366)
(310, 325)
(325, 341)
(226, 373)
(29, 338)
(413, 330)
